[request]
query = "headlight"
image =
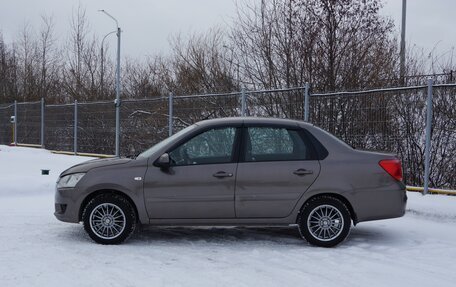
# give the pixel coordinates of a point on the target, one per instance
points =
(69, 180)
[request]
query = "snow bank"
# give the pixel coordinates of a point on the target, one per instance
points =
(20, 170)
(432, 206)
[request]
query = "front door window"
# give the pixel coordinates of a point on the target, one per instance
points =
(210, 147)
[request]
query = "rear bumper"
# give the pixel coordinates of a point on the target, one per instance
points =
(383, 205)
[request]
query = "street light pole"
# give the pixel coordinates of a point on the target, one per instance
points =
(102, 62)
(402, 58)
(117, 101)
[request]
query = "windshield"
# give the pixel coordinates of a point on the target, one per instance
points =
(163, 143)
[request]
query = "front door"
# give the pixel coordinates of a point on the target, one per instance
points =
(277, 166)
(201, 180)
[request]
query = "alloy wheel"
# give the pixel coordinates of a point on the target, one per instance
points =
(107, 221)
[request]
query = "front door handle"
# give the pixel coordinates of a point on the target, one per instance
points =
(222, 174)
(302, 171)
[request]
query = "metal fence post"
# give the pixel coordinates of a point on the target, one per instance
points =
(427, 154)
(170, 114)
(75, 131)
(243, 103)
(42, 123)
(15, 123)
(117, 104)
(306, 102)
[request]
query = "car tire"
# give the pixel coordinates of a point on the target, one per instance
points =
(324, 221)
(109, 219)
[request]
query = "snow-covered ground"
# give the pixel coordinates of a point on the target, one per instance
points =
(38, 250)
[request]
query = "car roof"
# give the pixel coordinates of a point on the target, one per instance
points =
(251, 120)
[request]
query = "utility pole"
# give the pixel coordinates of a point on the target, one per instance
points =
(117, 101)
(402, 68)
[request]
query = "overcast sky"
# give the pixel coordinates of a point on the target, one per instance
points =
(148, 24)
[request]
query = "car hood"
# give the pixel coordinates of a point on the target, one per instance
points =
(96, 163)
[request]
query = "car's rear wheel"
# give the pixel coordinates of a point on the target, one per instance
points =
(324, 221)
(109, 219)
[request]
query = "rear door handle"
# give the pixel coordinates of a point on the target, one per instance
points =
(222, 174)
(302, 171)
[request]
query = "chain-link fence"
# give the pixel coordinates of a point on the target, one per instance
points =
(379, 120)
(28, 119)
(443, 148)
(143, 123)
(6, 127)
(284, 103)
(59, 127)
(392, 120)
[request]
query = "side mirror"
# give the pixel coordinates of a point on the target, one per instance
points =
(163, 161)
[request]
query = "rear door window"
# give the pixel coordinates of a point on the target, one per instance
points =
(275, 144)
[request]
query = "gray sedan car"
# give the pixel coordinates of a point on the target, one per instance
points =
(236, 171)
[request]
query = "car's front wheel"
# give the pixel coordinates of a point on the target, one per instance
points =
(324, 221)
(109, 218)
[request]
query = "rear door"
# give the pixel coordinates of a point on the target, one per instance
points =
(277, 165)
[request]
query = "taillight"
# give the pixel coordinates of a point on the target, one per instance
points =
(393, 167)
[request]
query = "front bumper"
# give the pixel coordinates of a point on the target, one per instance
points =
(67, 204)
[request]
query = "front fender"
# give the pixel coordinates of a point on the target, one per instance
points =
(125, 179)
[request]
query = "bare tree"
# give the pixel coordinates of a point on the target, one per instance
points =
(144, 79)
(27, 68)
(199, 65)
(335, 44)
(9, 86)
(81, 59)
(49, 87)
